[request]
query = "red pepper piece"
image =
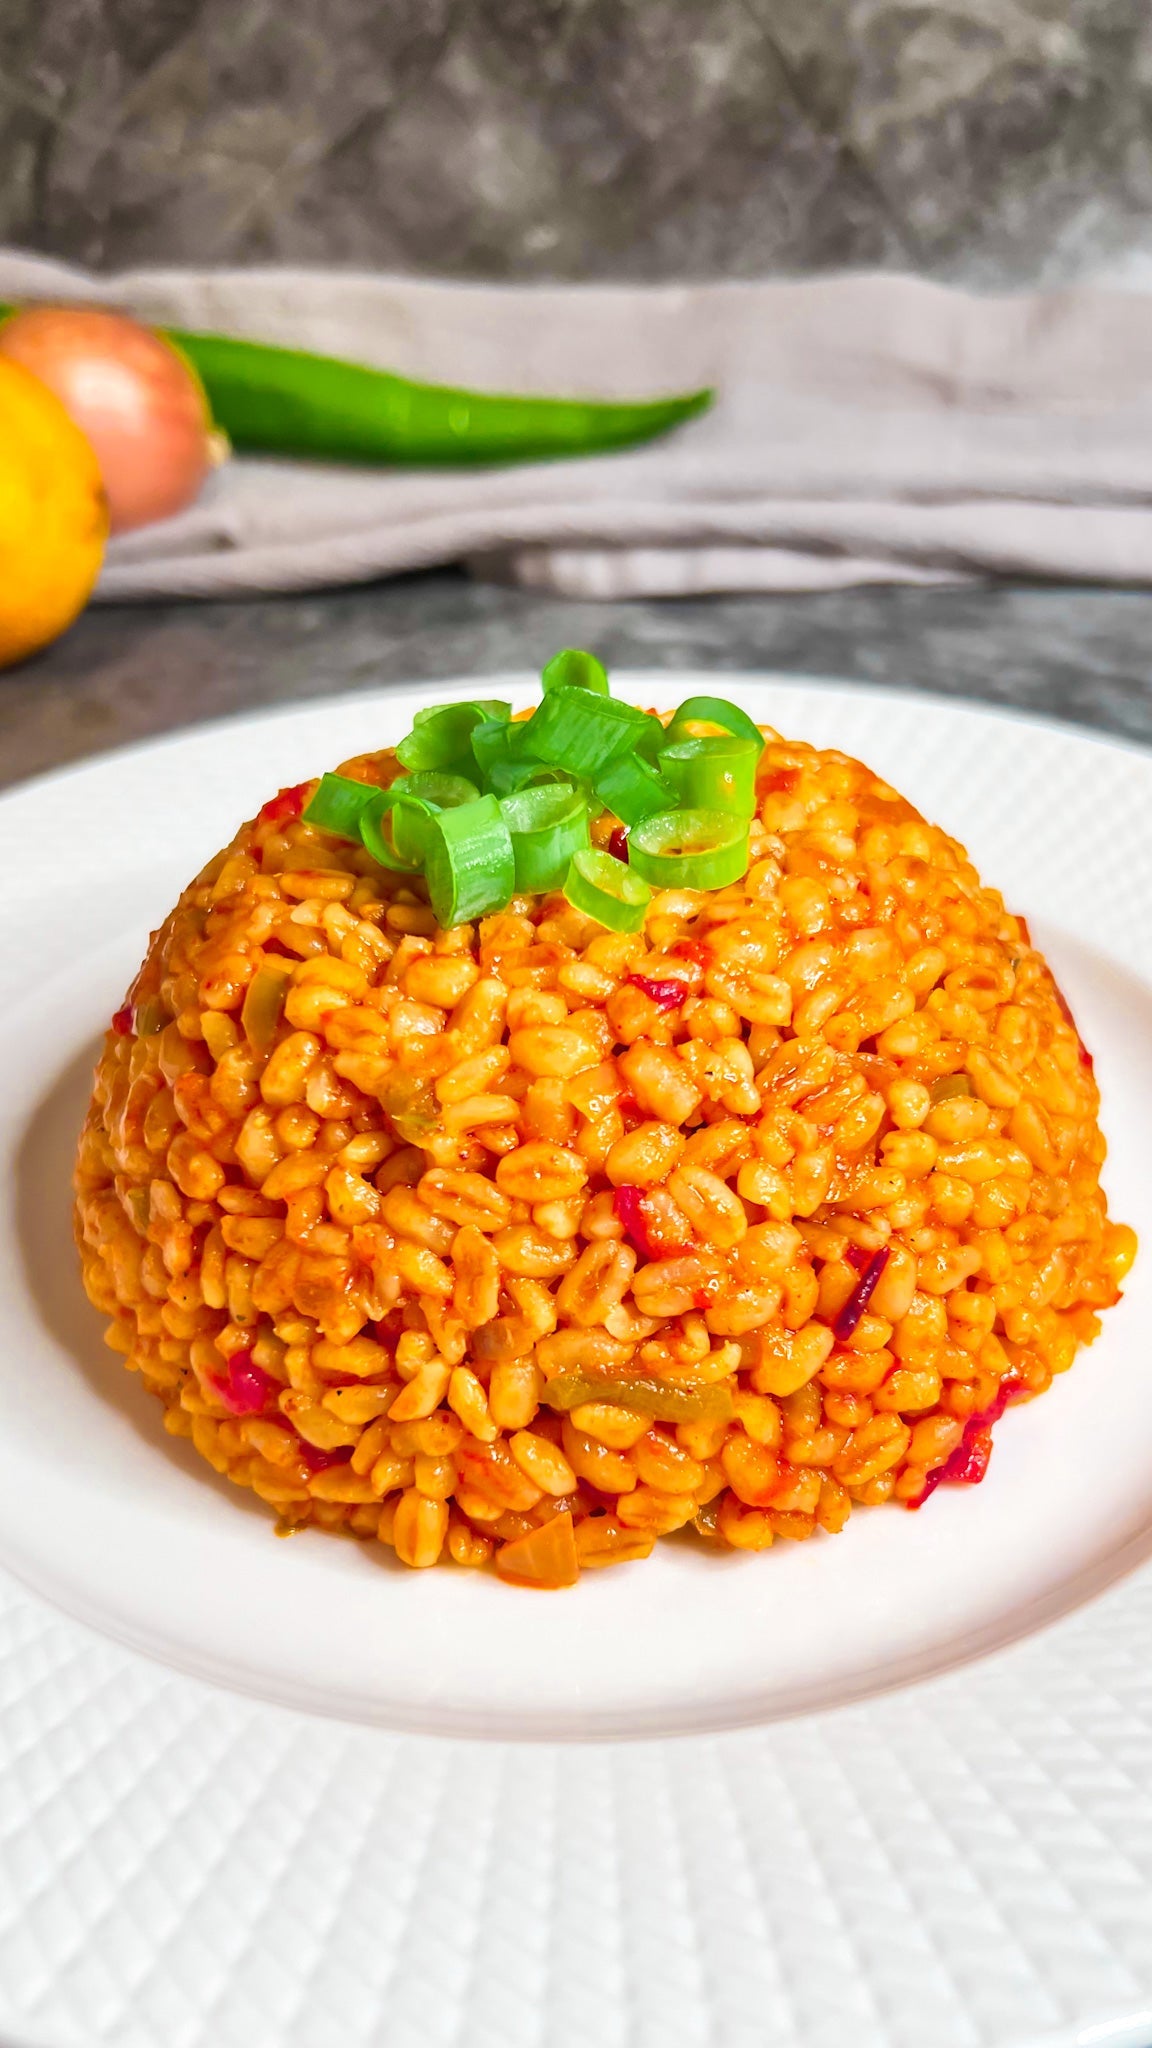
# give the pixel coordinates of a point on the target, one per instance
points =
(860, 1296)
(628, 1205)
(667, 995)
(287, 804)
(858, 1258)
(122, 1022)
(972, 1455)
(389, 1327)
(692, 949)
(319, 1461)
(245, 1386)
(618, 843)
(969, 1462)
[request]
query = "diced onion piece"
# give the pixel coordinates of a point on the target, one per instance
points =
(408, 815)
(948, 1087)
(645, 1395)
(713, 774)
(469, 863)
(573, 666)
(152, 1014)
(632, 790)
(700, 717)
(547, 825)
(338, 805)
(264, 1005)
(690, 849)
(545, 1557)
(607, 890)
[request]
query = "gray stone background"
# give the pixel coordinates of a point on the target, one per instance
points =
(990, 140)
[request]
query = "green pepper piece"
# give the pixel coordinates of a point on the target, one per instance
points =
(286, 401)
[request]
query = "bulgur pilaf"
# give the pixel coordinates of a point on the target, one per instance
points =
(532, 1241)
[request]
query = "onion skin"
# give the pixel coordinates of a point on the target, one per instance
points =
(134, 397)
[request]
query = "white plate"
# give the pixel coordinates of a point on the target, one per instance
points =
(967, 1860)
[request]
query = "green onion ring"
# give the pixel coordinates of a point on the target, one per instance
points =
(701, 717)
(633, 790)
(547, 825)
(432, 786)
(337, 805)
(582, 732)
(469, 864)
(690, 849)
(573, 666)
(608, 890)
(372, 817)
(713, 774)
(441, 735)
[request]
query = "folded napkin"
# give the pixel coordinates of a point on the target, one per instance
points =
(867, 429)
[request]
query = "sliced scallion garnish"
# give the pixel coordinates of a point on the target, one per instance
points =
(633, 790)
(579, 731)
(547, 824)
(441, 734)
(703, 717)
(698, 849)
(606, 889)
(469, 864)
(407, 816)
(574, 666)
(713, 774)
(337, 805)
(441, 792)
(493, 741)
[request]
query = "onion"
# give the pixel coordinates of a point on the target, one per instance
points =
(140, 404)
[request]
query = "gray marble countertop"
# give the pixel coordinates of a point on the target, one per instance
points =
(125, 673)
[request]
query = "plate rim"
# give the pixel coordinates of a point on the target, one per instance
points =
(1127, 2027)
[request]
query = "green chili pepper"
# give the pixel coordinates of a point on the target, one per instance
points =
(283, 401)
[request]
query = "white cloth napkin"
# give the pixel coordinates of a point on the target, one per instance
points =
(867, 429)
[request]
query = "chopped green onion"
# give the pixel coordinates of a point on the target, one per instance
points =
(608, 890)
(402, 854)
(704, 849)
(469, 864)
(521, 772)
(713, 774)
(573, 666)
(633, 790)
(337, 805)
(577, 730)
(481, 707)
(493, 740)
(701, 717)
(650, 737)
(433, 787)
(547, 824)
(441, 734)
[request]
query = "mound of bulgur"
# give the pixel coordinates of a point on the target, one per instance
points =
(534, 1242)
